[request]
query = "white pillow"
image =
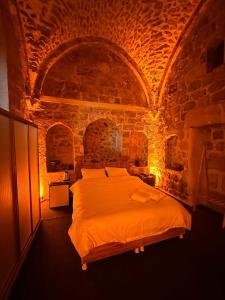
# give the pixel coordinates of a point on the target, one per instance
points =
(93, 173)
(113, 172)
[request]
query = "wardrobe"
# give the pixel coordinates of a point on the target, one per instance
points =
(19, 194)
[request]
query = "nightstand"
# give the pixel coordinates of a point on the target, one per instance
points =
(58, 193)
(147, 178)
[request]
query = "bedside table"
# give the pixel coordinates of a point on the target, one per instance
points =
(58, 193)
(147, 178)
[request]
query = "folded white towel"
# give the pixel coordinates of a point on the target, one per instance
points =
(140, 196)
(145, 195)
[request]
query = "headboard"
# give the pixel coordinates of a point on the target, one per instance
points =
(88, 163)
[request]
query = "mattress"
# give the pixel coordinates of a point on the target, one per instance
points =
(104, 211)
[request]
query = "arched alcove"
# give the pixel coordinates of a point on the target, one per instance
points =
(59, 149)
(102, 141)
(138, 149)
(94, 72)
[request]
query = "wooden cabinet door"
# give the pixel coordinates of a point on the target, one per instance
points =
(8, 241)
(23, 183)
(34, 176)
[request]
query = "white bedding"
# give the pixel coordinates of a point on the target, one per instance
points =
(104, 212)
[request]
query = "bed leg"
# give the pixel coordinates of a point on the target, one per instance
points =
(136, 250)
(84, 267)
(181, 236)
(142, 248)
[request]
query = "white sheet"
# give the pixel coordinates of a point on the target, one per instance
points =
(104, 212)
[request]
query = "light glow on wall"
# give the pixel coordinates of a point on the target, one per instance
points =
(41, 191)
(156, 171)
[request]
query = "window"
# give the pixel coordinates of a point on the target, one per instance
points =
(4, 98)
(215, 56)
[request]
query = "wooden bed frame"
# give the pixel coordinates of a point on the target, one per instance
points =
(137, 245)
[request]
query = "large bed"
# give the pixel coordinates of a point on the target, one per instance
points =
(112, 215)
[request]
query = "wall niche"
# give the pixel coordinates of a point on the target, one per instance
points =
(138, 149)
(102, 141)
(172, 154)
(59, 149)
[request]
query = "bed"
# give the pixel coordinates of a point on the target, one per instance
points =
(107, 218)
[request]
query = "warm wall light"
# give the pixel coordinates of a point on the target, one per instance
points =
(157, 173)
(41, 191)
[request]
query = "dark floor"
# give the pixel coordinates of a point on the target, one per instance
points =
(192, 268)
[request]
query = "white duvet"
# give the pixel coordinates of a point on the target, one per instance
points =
(104, 211)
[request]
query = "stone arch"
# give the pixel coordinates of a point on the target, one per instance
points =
(138, 149)
(196, 15)
(59, 148)
(78, 42)
(102, 141)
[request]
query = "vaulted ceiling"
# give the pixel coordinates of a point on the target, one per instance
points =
(147, 30)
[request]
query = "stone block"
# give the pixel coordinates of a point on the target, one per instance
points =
(220, 146)
(209, 145)
(223, 183)
(126, 134)
(189, 105)
(127, 127)
(216, 161)
(218, 134)
(183, 98)
(130, 114)
(218, 85)
(194, 85)
(220, 96)
(213, 180)
(198, 94)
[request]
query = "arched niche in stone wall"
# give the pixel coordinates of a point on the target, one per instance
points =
(138, 149)
(173, 160)
(94, 72)
(102, 142)
(59, 149)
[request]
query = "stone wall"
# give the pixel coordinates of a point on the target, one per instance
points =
(93, 73)
(191, 87)
(173, 158)
(59, 149)
(102, 141)
(173, 183)
(77, 118)
(146, 30)
(138, 150)
(215, 154)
